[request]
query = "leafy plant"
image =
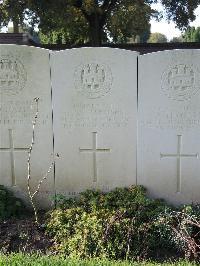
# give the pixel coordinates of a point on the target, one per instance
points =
(121, 224)
(9, 205)
(183, 226)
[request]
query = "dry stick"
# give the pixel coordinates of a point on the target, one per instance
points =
(29, 160)
(32, 195)
(42, 180)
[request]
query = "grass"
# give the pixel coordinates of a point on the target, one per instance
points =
(36, 260)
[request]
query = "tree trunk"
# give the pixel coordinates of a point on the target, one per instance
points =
(95, 30)
(15, 26)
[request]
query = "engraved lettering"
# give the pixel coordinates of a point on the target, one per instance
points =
(95, 115)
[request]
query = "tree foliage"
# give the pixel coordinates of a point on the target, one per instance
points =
(70, 28)
(12, 10)
(192, 34)
(177, 39)
(17, 12)
(129, 21)
(180, 11)
(157, 37)
(94, 21)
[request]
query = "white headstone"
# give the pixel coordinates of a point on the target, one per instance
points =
(169, 125)
(95, 118)
(25, 75)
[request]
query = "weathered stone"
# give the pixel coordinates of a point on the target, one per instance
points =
(95, 118)
(169, 125)
(24, 76)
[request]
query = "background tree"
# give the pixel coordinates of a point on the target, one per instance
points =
(128, 22)
(99, 16)
(180, 11)
(94, 20)
(17, 12)
(192, 34)
(177, 39)
(157, 37)
(71, 28)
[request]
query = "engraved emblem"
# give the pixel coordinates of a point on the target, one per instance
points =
(181, 82)
(93, 80)
(12, 75)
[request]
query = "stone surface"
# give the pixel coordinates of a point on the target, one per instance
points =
(25, 75)
(95, 121)
(169, 125)
(95, 118)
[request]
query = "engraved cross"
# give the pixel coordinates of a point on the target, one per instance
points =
(12, 150)
(94, 151)
(178, 157)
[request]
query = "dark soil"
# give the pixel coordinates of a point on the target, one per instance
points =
(23, 235)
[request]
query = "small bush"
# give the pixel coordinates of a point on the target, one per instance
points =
(183, 226)
(121, 224)
(9, 205)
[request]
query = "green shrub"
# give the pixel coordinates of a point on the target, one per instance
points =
(9, 205)
(183, 226)
(121, 224)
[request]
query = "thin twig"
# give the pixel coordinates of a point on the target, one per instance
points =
(42, 180)
(33, 194)
(29, 159)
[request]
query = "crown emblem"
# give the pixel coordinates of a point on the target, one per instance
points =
(181, 76)
(12, 75)
(179, 82)
(93, 80)
(93, 76)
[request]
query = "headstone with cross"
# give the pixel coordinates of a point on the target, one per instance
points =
(168, 125)
(93, 94)
(24, 76)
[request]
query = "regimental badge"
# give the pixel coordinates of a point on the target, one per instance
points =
(93, 80)
(13, 76)
(181, 82)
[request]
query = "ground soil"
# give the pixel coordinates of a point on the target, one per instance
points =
(23, 235)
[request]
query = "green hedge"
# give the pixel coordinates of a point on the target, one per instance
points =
(121, 224)
(124, 224)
